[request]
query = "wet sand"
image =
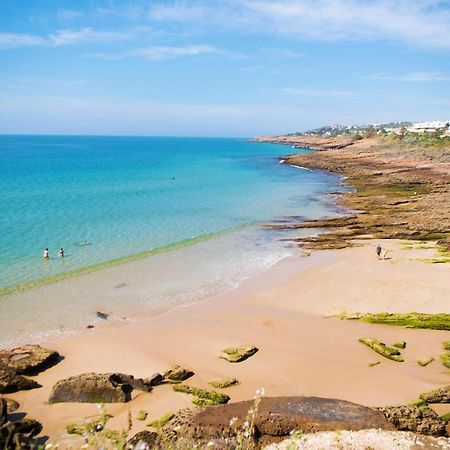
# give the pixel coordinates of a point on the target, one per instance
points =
(281, 312)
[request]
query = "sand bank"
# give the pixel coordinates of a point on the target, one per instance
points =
(279, 311)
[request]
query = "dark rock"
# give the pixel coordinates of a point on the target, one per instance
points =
(28, 359)
(10, 381)
(95, 388)
(11, 405)
(102, 315)
(153, 380)
(178, 373)
(441, 395)
(277, 417)
(19, 434)
(90, 326)
(419, 420)
(149, 438)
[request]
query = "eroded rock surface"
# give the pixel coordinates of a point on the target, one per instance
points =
(143, 438)
(95, 388)
(441, 395)
(10, 381)
(276, 418)
(411, 418)
(28, 359)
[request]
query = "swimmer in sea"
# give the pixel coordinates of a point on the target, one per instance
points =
(46, 253)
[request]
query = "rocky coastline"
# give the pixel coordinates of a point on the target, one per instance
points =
(399, 191)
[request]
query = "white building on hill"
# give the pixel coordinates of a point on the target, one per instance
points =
(428, 127)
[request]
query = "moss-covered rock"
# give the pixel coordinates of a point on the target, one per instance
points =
(142, 415)
(203, 397)
(400, 344)
(446, 418)
(238, 354)
(224, 383)
(382, 349)
(445, 359)
(410, 320)
(425, 362)
(441, 395)
(178, 374)
(446, 345)
(159, 423)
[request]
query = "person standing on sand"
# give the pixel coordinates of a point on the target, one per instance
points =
(46, 253)
(379, 249)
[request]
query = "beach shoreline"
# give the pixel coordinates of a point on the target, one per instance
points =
(300, 351)
(290, 313)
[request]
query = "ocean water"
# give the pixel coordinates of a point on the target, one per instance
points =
(107, 200)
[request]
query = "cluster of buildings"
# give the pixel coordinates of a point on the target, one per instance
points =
(439, 127)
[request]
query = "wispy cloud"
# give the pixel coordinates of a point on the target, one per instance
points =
(68, 14)
(160, 53)
(13, 40)
(420, 77)
(419, 23)
(65, 37)
(317, 92)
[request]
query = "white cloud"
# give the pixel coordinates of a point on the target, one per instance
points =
(83, 35)
(412, 77)
(159, 53)
(13, 40)
(68, 14)
(317, 92)
(67, 37)
(422, 23)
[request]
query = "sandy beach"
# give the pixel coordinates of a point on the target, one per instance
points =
(281, 311)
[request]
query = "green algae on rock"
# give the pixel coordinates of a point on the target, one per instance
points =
(159, 423)
(224, 383)
(441, 395)
(238, 354)
(411, 320)
(142, 415)
(445, 359)
(446, 345)
(203, 397)
(400, 344)
(382, 349)
(425, 362)
(178, 374)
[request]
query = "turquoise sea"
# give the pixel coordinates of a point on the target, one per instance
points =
(107, 199)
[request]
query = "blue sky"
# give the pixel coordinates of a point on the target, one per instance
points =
(220, 68)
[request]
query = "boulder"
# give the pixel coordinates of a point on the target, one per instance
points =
(95, 388)
(143, 438)
(419, 420)
(276, 418)
(382, 349)
(28, 359)
(238, 354)
(153, 380)
(11, 405)
(178, 373)
(441, 395)
(10, 381)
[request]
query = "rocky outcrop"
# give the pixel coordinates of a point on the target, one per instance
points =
(19, 434)
(238, 354)
(96, 388)
(10, 381)
(28, 359)
(419, 420)
(178, 374)
(441, 395)
(275, 419)
(142, 439)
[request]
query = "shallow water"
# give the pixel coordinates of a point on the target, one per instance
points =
(128, 196)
